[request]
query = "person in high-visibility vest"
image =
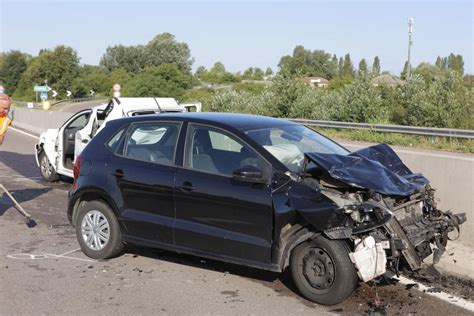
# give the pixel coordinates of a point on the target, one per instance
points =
(5, 118)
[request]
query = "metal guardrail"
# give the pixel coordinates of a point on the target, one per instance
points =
(413, 130)
(77, 100)
(23, 103)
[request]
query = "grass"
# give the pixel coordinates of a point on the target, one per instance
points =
(425, 142)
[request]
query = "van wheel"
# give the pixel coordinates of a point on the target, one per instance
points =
(98, 231)
(322, 271)
(46, 169)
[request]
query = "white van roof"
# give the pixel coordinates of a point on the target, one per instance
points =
(155, 104)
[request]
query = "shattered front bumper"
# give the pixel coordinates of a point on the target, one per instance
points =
(419, 237)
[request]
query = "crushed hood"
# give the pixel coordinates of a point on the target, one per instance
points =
(376, 168)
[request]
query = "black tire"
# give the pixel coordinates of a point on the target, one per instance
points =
(322, 271)
(114, 245)
(46, 169)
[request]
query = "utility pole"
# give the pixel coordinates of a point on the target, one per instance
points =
(410, 31)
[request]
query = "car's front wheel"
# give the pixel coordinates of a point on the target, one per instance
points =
(46, 169)
(322, 271)
(98, 231)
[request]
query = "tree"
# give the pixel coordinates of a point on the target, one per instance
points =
(363, 66)
(218, 74)
(333, 67)
(439, 62)
(428, 72)
(248, 73)
(91, 78)
(166, 80)
(340, 67)
(200, 72)
(162, 49)
(305, 62)
(268, 72)
(258, 74)
(456, 63)
(376, 66)
(347, 68)
(59, 67)
(13, 65)
(404, 72)
(130, 58)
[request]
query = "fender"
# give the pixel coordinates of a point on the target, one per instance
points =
(85, 194)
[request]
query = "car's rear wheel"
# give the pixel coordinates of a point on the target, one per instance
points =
(46, 169)
(322, 271)
(98, 231)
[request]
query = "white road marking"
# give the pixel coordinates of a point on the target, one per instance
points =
(29, 256)
(71, 251)
(449, 298)
(24, 133)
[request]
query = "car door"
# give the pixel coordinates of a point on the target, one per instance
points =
(141, 177)
(84, 135)
(67, 137)
(215, 213)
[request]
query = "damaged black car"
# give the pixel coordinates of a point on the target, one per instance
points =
(257, 191)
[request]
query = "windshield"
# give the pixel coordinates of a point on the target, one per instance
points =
(289, 143)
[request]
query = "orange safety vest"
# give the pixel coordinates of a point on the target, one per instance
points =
(5, 121)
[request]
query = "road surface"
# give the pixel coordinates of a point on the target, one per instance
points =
(43, 272)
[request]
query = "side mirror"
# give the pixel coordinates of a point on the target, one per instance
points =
(249, 174)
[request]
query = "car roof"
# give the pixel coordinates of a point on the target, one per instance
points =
(237, 121)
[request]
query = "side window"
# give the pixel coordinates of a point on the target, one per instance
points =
(79, 122)
(152, 142)
(215, 151)
(112, 143)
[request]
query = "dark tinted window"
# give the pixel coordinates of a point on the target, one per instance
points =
(215, 151)
(152, 142)
(80, 121)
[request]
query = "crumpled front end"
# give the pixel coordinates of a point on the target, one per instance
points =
(394, 220)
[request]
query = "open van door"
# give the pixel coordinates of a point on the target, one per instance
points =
(84, 135)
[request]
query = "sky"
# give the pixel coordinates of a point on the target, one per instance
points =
(246, 33)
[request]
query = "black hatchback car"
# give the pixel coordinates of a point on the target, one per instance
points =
(257, 191)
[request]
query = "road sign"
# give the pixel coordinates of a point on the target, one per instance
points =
(54, 94)
(44, 96)
(116, 87)
(68, 93)
(92, 92)
(41, 88)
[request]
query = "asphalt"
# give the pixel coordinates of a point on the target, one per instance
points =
(42, 271)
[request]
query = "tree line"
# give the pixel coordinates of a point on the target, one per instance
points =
(438, 94)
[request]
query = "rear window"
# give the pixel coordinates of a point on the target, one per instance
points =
(112, 143)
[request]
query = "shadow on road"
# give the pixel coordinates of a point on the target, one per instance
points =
(24, 164)
(21, 196)
(268, 278)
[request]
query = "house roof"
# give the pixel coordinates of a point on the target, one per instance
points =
(387, 79)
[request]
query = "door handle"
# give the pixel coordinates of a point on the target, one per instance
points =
(187, 187)
(118, 173)
(85, 141)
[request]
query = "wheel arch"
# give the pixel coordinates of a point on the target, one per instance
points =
(296, 235)
(86, 195)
